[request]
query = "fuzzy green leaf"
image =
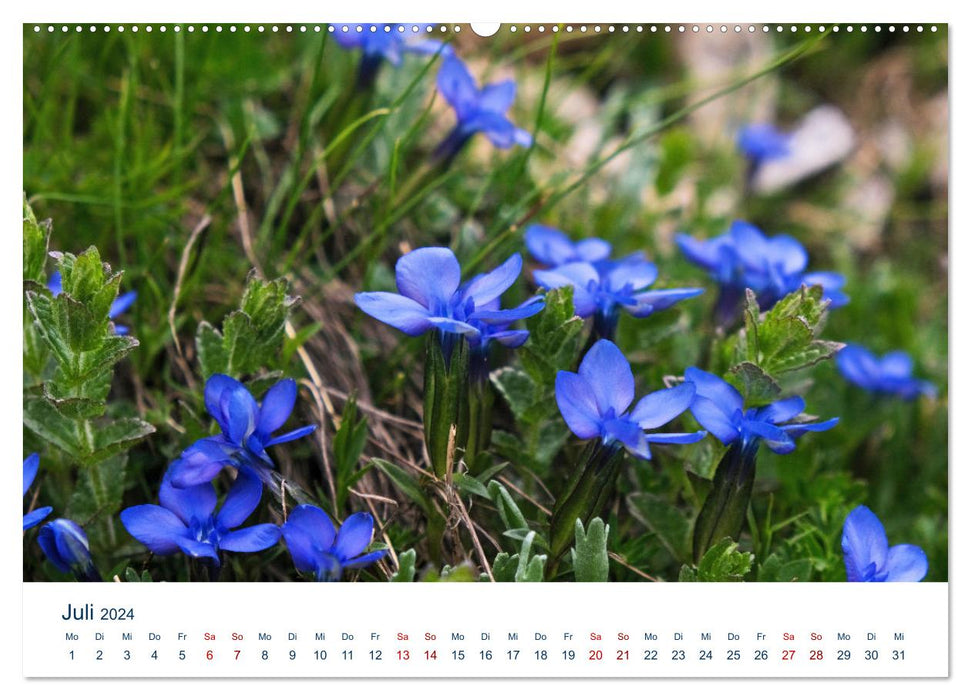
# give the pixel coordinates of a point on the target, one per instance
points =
(590, 562)
(406, 568)
(509, 512)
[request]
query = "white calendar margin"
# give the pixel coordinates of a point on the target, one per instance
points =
(516, 11)
(581, 630)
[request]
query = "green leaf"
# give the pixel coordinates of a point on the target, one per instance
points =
(671, 527)
(36, 238)
(99, 490)
(209, 348)
(509, 512)
(590, 562)
(51, 426)
(111, 438)
(405, 482)
(252, 336)
(782, 340)
(348, 445)
(406, 568)
(554, 338)
(517, 388)
(132, 576)
(504, 568)
(469, 485)
(756, 386)
(773, 569)
(722, 562)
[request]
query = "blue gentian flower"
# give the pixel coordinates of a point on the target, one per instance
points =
(553, 248)
(594, 403)
(477, 110)
(66, 545)
(118, 306)
(318, 549)
(604, 287)
(186, 520)
(384, 42)
(247, 430)
(432, 297)
(744, 258)
(761, 142)
(719, 407)
(890, 374)
(30, 472)
(869, 557)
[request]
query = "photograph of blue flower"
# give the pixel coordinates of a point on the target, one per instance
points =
(400, 303)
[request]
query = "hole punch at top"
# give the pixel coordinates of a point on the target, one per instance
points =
(485, 28)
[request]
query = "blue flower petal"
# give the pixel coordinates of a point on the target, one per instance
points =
(906, 562)
(781, 411)
(577, 404)
(241, 501)
(634, 274)
(490, 286)
(788, 254)
(250, 539)
(763, 142)
(450, 325)
(609, 375)
(750, 245)
(199, 463)
(365, 559)
(628, 434)
(593, 249)
(897, 365)
(497, 97)
(241, 409)
(65, 544)
(122, 304)
(506, 316)
(276, 407)
(661, 299)
(30, 471)
(199, 550)
(797, 429)
(858, 365)
(292, 435)
(677, 438)
(725, 396)
(550, 246)
(55, 283)
(429, 276)
(354, 536)
(190, 503)
(36, 516)
(711, 416)
(864, 544)
(510, 339)
(218, 386)
(774, 438)
(457, 86)
(156, 527)
(398, 311)
(708, 254)
(314, 523)
(663, 406)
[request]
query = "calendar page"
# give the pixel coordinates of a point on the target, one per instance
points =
(448, 350)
